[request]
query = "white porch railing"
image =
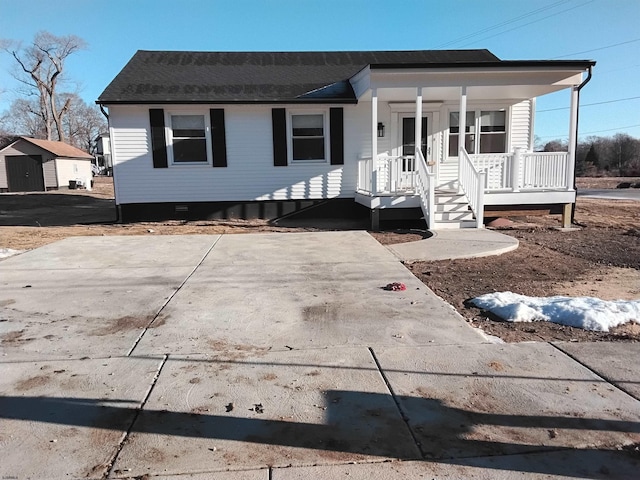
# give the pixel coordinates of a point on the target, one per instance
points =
(472, 183)
(365, 175)
(523, 170)
(425, 187)
(391, 175)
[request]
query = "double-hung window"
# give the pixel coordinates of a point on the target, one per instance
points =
(486, 132)
(454, 133)
(308, 138)
(188, 139)
(493, 132)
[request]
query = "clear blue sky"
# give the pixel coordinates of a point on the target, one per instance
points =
(524, 29)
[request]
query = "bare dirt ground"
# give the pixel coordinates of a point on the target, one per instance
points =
(601, 259)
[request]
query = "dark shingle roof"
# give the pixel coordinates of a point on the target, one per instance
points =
(260, 77)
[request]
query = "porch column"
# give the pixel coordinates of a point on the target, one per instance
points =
(374, 140)
(573, 136)
(462, 119)
(418, 122)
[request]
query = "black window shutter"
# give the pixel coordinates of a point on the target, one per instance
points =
(218, 137)
(336, 136)
(279, 122)
(158, 140)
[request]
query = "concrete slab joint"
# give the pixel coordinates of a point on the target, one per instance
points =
(280, 356)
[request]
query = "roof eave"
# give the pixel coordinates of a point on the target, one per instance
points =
(344, 101)
(581, 64)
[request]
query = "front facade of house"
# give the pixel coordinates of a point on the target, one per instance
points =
(266, 134)
(33, 165)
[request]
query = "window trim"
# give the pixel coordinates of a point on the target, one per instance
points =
(325, 132)
(207, 135)
(478, 109)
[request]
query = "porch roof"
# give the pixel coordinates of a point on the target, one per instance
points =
(502, 80)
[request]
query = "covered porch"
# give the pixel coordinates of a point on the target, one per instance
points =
(419, 154)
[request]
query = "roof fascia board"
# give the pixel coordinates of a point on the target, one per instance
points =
(509, 64)
(285, 101)
(471, 78)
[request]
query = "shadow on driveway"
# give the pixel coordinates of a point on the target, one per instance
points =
(54, 210)
(355, 422)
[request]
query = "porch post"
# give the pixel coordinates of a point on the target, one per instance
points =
(573, 136)
(418, 143)
(462, 119)
(374, 140)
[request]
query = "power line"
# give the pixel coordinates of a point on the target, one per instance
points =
(530, 23)
(506, 22)
(564, 135)
(588, 104)
(607, 72)
(611, 129)
(597, 49)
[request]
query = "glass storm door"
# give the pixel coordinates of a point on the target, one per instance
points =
(407, 145)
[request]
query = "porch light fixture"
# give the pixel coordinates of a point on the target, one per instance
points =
(380, 129)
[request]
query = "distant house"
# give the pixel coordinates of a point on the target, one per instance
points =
(264, 134)
(103, 154)
(32, 165)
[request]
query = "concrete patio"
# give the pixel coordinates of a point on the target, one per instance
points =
(280, 356)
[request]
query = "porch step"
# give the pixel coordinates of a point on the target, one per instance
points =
(450, 198)
(453, 224)
(453, 216)
(448, 175)
(452, 211)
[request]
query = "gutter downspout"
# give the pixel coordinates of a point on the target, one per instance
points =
(575, 187)
(104, 112)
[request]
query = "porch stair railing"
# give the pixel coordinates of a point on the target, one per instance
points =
(425, 184)
(472, 183)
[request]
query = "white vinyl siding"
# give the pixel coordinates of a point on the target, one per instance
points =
(521, 125)
(250, 173)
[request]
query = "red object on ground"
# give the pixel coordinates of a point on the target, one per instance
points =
(395, 287)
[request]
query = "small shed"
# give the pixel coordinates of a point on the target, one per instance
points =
(34, 165)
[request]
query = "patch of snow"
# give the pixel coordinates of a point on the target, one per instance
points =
(9, 252)
(588, 313)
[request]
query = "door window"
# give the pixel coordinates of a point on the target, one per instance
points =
(409, 136)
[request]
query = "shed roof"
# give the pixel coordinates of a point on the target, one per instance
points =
(59, 149)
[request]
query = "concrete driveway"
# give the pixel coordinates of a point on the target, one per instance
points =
(279, 356)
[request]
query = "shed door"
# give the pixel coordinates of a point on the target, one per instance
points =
(24, 173)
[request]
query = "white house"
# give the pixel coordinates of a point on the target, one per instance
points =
(103, 153)
(264, 134)
(32, 164)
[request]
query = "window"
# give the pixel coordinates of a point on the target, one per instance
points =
(493, 132)
(454, 131)
(308, 138)
(188, 139)
(490, 126)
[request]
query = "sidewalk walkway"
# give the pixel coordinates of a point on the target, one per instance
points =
(455, 243)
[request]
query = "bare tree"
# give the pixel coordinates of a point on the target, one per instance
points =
(555, 146)
(83, 122)
(24, 117)
(42, 67)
